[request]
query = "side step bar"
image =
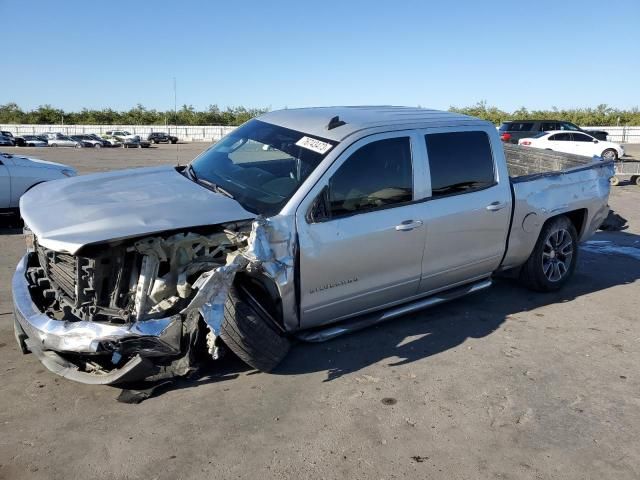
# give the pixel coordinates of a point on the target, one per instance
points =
(358, 323)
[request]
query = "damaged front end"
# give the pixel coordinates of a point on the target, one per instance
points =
(142, 309)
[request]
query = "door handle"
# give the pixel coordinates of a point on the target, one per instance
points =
(495, 206)
(408, 225)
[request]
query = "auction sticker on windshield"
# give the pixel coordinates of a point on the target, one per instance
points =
(317, 146)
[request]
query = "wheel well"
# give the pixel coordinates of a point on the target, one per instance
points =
(577, 217)
(264, 291)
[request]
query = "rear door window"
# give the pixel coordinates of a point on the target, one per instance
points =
(459, 162)
(520, 127)
(562, 137)
(377, 175)
(549, 126)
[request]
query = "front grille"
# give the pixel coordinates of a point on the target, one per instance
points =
(61, 269)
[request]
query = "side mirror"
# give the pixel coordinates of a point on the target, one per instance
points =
(319, 210)
(595, 141)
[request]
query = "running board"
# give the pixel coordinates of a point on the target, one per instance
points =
(358, 323)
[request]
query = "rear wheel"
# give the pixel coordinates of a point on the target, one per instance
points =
(610, 154)
(614, 181)
(53, 145)
(97, 145)
(249, 334)
(554, 257)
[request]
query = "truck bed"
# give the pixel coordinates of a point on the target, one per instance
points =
(545, 184)
(525, 163)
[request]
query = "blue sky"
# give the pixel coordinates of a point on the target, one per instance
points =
(75, 54)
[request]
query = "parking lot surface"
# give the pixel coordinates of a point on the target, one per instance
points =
(505, 384)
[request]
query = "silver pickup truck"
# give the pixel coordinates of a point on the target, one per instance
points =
(300, 224)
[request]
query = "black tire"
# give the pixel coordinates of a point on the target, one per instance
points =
(636, 179)
(97, 145)
(614, 181)
(550, 257)
(610, 154)
(249, 335)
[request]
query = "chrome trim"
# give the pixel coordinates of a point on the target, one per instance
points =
(83, 336)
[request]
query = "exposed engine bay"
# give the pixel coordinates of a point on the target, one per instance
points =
(157, 298)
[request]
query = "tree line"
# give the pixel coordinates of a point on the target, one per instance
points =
(601, 115)
(138, 115)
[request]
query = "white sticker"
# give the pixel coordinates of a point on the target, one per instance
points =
(316, 145)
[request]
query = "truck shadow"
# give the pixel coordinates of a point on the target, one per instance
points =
(607, 260)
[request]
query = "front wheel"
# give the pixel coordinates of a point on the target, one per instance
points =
(53, 145)
(610, 154)
(554, 257)
(97, 145)
(249, 334)
(614, 181)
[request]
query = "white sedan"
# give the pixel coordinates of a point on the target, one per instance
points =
(19, 174)
(578, 143)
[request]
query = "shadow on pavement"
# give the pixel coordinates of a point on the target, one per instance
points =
(420, 335)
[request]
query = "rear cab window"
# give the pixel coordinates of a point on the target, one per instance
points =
(459, 162)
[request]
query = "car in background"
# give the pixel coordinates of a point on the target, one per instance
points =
(577, 143)
(59, 140)
(90, 141)
(7, 140)
(32, 141)
(19, 174)
(123, 137)
(514, 130)
(161, 137)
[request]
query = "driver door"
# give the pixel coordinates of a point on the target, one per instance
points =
(362, 240)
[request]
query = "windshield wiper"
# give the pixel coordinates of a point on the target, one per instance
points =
(192, 172)
(212, 186)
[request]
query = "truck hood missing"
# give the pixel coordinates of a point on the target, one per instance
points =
(67, 215)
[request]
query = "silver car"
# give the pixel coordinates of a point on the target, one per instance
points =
(60, 140)
(20, 174)
(302, 223)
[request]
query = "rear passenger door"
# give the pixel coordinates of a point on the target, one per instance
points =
(468, 210)
(361, 240)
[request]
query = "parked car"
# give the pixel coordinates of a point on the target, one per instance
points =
(249, 247)
(7, 141)
(514, 130)
(19, 174)
(122, 137)
(577, 143)
(32, 141)
(161, 137)
(60, 140)
(90, 141)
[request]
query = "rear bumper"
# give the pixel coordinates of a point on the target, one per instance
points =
(48, 338)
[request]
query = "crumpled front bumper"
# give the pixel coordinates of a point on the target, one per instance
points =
(47, 337)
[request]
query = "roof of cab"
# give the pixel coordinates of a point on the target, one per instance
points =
(315, 121)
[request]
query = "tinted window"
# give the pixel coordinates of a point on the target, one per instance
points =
(568, 126)
(581, 137)
(562, 137)
(459, 162)
(519, 127)
(375, 176)
(548, 126)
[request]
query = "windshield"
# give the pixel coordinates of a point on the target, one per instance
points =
(261, 165)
